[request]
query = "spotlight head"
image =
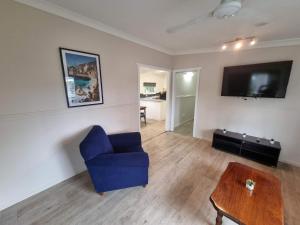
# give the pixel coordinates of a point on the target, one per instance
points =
(238, 45)
(253, 42)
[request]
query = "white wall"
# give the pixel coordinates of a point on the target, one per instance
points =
(185, 93)
(277, 118)
(39, 134)
(160, 78)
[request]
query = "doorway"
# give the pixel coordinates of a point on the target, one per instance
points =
(184, 101)
(154, 100)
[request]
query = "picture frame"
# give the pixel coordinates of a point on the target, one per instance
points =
(82, 77)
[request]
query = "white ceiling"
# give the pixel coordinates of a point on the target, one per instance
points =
(148, 20)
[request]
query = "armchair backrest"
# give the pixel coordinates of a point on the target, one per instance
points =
(95, 143)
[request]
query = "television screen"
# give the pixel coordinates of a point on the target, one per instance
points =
(266, 80)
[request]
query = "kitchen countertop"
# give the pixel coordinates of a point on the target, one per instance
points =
(152, 100)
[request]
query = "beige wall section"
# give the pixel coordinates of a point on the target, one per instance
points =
(39, 134)
(277, 118)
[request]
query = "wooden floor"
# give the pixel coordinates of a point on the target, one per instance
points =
(152, 129)
(185, 129)
(183, 173)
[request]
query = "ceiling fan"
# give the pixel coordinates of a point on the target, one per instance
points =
(226, 9)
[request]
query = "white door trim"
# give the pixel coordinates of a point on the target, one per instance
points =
(195, 125)
(169, 95)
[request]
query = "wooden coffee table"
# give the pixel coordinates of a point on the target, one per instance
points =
(262, 206)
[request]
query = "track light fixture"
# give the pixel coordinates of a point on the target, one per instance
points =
(239, 43)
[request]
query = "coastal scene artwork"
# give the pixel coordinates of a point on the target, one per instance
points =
(82, 77)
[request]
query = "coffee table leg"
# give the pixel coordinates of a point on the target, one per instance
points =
(219, 218)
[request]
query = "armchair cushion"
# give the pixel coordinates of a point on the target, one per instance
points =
(95, 143)
(129, 149)
(133, 159)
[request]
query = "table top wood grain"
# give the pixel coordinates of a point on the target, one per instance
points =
(262, 206)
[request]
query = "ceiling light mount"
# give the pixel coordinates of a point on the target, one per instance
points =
(239, 43)
(227, 9)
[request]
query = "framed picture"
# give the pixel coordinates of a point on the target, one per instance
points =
(82, 77)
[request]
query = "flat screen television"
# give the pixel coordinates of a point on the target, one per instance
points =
(265, 80)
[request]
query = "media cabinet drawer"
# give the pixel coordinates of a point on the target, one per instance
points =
(227, 138)
(259, 157)
(260, 149)
(227, 146)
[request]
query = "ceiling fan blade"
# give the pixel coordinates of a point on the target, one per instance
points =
(174, 29)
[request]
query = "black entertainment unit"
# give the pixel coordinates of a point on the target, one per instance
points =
(254, 148)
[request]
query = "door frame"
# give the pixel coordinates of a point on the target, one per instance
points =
(168, 97)
(196, 110)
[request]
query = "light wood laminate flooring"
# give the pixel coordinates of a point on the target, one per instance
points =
(183, 173)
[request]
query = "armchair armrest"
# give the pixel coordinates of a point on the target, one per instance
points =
(125, 140)
(133, 159)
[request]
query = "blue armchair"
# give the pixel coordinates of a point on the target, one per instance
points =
(114, 161)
